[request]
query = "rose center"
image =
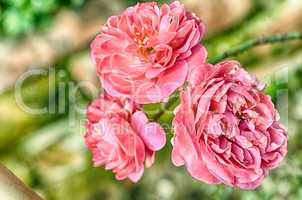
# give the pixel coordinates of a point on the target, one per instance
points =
(141, 40)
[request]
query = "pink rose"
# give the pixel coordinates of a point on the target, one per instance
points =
(147, 52)
(121, 138)
(226, 128)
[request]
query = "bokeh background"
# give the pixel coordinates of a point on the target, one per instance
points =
(46, 151)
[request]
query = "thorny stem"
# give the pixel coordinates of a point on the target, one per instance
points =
(257, 42)
(237, 50)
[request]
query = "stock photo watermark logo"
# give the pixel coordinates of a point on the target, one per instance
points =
(63, 96)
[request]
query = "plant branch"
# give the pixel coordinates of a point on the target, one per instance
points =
(166, 106)
(12, 188)
(257, 42)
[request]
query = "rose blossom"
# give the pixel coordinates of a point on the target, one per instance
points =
(147, 52)
(121, 138)
(226, 128)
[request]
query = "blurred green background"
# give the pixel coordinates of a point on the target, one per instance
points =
(51, 38)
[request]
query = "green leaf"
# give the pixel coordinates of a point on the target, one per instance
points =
(43, 6)
(16, 22)
(16, 3)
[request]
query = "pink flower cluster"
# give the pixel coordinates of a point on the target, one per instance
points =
(145, 53)
(121, 138)
(226, 129)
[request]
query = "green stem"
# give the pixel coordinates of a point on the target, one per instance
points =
(235, 51)
(257, 42)
(166, 106)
